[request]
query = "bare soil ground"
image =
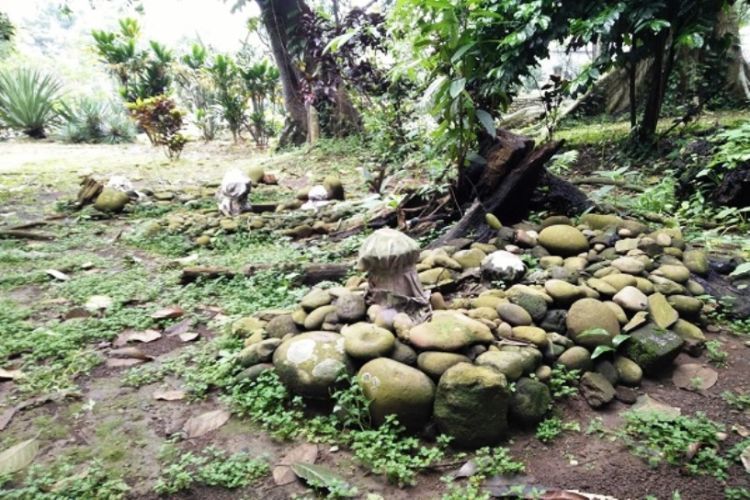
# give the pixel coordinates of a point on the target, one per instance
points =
(124, 427)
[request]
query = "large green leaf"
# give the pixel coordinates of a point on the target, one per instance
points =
(457, 86)
(18, 457)
(486, 120)
(319, 476)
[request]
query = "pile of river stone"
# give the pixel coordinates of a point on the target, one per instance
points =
(606, 282)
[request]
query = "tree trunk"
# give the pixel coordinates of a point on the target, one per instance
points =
(657, 86)
(279, 18)
(738, 70)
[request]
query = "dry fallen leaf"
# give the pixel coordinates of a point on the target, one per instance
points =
(745, 458)
(178, 328)
(98, 302)
(205, 423)
(129, 352)
(144, 336)
(694, 377)
(10, 374)
(169, 395)
(18, 457)
(188, 336)
(168, 313)
(77, 312)
(741, 430)
(58, 275)
(304, 453)
(124, 362)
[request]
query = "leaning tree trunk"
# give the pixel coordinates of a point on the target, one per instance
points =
(279, 18)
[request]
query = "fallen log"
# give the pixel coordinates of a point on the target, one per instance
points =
(21, 234)
(193, 273)
(603, 181)
(315, 273)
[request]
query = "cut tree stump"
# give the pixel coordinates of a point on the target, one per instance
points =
(510, 199)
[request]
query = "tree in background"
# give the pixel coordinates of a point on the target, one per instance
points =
(196, 86)
(261, 81)
(7, 30)
(141, 73)
(650, 35)
(230, 93)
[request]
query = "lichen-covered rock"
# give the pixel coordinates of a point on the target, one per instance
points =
(255, 173)
(247, 326)
(514, 314)
(631, 298)
(629, 265)
(281, 325)
(530, 402)
(259, 352)
(685, 305)
(676, 273)
(471, 405)
(111, 201)
(394, 388)
(596, 389)
(533, 303)
(469, 258)
(661, 312)
(563, 292)
(309, 364)
(403, 354)
(508, 363)
(532, 334)
(589, 314)
(449, 331)
(563, 240)
(317, 317)
(334, 188)
(350, 307)
(367, 341)
(696, 261)
(316, 298)
(575, 358)
(691, 334)
(435, 363)
(652, 347)
(503, 266)
(628, 371)
(601, 221)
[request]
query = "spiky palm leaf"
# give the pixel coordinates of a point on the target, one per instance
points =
(29, 101)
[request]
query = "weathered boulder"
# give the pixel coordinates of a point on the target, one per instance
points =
(281, 325)
(596, 389)
(503, 266)
(563, 240)
(259, 352)
(309, 364)
(696, 261)
(449, 331)
(661, 312)
(530, 402)
(514, 314)
(367, 341)
(316, 298)
(628, 371)
(631, 298)
(589, 314)
(575, 358)
(510, 364)
(471, 405)
(351, 307)
(653, 348)
(111, 201)
(394, 388)
(563, 292)
(435, 363)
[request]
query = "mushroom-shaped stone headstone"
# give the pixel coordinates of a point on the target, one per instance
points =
(390, 257)
(233, 192)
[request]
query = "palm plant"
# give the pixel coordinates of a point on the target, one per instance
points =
(29, 101)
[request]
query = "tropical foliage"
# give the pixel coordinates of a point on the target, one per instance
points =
(161, 120)
(29, 101)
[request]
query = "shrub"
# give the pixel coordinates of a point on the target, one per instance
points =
(29, 101)
(95, 122)
(198, 90)
(142, 73)
(230, 93)
(261, 82)
(161, 120)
